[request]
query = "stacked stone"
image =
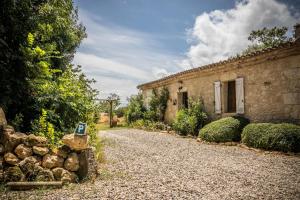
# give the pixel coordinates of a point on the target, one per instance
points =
(28, 158)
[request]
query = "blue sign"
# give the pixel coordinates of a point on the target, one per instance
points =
(81, 129)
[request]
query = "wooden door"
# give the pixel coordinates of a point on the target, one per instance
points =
(231, 100)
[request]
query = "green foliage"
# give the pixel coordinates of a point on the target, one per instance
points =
(281, 137)
(184, 124)
(158, 105)
(224, 130)
(148, 125)
(189, 121)
(104, 105)
(266, 38)
(120, 111)
(135, 108)
(68, 100)
(41, 91)
(38, 41)
(44, 128)
(17, 121)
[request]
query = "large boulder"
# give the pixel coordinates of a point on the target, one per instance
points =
(11, 139)
(23, 151)
(61, 174)
(52, 161)
(62, 151)
(44, 175)
(57, 173)
(72, 162)
(30, 167)
(75, 142)
(40, 150)
(11, 159)
(34, 140)
(69, 177)
(13, 174)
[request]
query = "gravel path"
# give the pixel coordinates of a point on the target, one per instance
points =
(148, 165)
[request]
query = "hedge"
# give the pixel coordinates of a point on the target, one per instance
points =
(280, 137)
(224, 130)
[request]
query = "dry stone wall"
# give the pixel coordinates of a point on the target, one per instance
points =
(28, 158)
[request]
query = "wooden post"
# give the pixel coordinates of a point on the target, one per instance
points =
(31, 185)
(110, 112)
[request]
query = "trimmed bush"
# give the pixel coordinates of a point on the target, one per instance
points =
(280, 137)
(224, 130)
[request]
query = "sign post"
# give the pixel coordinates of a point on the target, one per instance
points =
(81, 129)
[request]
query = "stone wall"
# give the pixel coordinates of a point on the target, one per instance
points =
(29, 158)
(271, 86)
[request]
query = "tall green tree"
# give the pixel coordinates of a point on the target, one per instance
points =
(266, 38)
(38, 41)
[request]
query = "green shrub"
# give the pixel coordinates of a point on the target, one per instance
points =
(148, 125)
(135, 109)
(224, 130)
(184, 123)
(281, 137)
(189, 121)
(139, 124)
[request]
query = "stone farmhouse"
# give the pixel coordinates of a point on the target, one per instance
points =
(263, 86)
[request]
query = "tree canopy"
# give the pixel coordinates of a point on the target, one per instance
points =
(266, 38)
(38, 40)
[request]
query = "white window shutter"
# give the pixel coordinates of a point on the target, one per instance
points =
(239, 85)
(217, 97)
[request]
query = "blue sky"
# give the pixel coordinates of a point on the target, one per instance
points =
(135, 41)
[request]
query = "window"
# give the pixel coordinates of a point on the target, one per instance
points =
(183, 100)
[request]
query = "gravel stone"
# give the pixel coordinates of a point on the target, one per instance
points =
(151, 165)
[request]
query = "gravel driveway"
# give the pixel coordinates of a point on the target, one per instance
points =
(150, 165)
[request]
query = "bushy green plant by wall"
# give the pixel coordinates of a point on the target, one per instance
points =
(190, 120)
(184, 123)
(158, 104)
(157, 107)
(227, 129)
(135, 109)
(281, 137)
(148, 125)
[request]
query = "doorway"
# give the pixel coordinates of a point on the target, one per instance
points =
(231, 97)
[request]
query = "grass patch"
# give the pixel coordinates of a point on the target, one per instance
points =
(105, 174)
(105, 126)
(280, 137)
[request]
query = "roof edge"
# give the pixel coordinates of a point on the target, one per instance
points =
(227, 61)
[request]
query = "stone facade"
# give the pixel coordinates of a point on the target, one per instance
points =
(271, 85)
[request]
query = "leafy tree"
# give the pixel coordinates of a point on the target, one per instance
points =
(104, 105)
(135, 108)
(40, 90)
(266, 38)
(120, 111)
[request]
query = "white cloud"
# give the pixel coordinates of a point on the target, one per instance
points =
(119, 58)
(96, 65)
(222, 33)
